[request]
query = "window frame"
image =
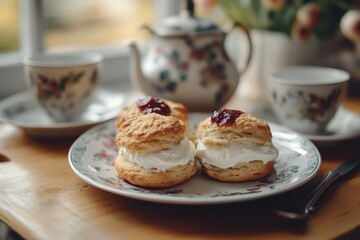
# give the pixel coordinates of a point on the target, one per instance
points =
(32, 29)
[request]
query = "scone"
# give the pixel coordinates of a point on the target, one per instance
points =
(234, 146)
(154, 152)
(165, 107)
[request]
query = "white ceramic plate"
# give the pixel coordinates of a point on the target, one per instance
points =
(344, 126)
(23, 111)
(93, 154)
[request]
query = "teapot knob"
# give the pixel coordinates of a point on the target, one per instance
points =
(188, 7)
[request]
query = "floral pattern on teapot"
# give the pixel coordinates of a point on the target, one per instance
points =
(212, 72)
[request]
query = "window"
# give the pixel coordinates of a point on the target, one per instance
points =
(9, 26)
(51, 25)
(94, 23)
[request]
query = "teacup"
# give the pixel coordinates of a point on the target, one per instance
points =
(306, 98)
(63, 84)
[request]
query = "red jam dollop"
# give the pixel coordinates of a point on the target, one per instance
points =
(225, 117)
(153, 105)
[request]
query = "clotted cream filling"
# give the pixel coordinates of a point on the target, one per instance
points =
(240, 152)
(162, 160)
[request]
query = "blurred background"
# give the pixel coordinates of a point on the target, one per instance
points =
(9, 26)
(311, 32)
(298, 32)
(79, 24)
(103, 26)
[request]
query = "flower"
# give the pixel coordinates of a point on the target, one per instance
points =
(308, 15)
(274, 5)
(205, 5)
(301, 32)
(350, 25)
(306, 20)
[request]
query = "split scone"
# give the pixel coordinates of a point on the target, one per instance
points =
(161, 106)
(234, 146)
(154, 152)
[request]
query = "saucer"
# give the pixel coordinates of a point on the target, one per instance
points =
(23, 111)
(344, 126)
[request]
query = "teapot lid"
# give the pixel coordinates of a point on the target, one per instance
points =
(186, 24)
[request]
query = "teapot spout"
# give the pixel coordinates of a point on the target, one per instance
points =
(147, 27)
(137, 77)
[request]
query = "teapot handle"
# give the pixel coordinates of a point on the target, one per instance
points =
(250, 44)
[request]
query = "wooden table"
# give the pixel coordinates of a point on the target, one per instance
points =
(41, 198)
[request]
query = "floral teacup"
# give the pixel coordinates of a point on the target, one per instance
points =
(63, 83)
(307, 98)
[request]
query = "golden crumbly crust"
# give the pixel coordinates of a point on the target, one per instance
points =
(247, 127)
(150, 178)
(132, 111)
(191, 133)
(150, 133)
(241, 172)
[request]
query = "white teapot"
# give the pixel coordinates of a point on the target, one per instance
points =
(186, 62)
